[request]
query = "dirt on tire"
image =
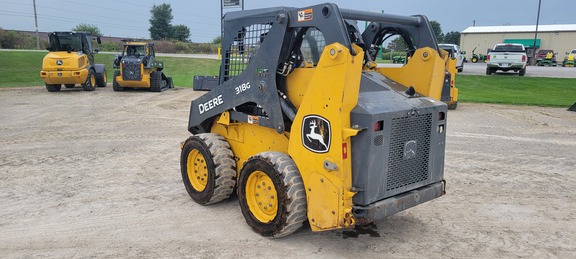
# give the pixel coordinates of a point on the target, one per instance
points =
(96, 174)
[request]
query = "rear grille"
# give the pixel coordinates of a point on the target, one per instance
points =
(409, 135)
(131, 72)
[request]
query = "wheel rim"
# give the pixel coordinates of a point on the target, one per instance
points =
(105, 77)
(261, 196)
(92, 80)
(197, 170)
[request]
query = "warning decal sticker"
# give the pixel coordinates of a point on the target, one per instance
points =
(305, 15)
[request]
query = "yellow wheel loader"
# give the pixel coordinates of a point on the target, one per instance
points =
(70, 61)
(304, 126)
(138, 68)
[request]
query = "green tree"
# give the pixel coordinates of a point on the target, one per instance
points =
(92, 29)
(180, 32)
(437, 31)
(397, 45)
(217, 40)
(452, 37)
(160, 22)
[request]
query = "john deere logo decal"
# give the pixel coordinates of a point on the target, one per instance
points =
(59, 62)
(316, 133)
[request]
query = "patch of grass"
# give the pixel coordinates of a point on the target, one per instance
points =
(22, 68)
(516, 90)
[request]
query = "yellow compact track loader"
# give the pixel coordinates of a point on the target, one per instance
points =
(70, 61)
(303, 125)
(138, 68)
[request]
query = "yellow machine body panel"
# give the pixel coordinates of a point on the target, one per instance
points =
(298, 81)
(62, 67)
(451, 68)
(428, 65)
(327, 176)
(248, 139)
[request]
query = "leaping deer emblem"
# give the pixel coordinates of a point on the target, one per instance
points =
(313, 135)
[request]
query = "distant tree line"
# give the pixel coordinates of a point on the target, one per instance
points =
(18, 40)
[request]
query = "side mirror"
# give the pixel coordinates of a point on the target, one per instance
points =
(98, 40)
(463, 52)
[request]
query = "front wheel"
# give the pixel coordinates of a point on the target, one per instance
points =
(89, 84)
(102, 79)
(208, 168)
(271, 194)
(474, 59)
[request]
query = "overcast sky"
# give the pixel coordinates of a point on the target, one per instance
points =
(129, 18)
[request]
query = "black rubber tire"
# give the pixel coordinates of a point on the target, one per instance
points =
(291, 196)
(102, 79)
(69, 85)
(220, 164)
(90, 80)
(53, 87)
(115, 84)
(489, 71)
(474, 60)
(453, 106)
(522, 72)
(461, 69)
(156, 81)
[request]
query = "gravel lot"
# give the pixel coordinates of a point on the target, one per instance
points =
(96, 174)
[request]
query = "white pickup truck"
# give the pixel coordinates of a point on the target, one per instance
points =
(506, 57)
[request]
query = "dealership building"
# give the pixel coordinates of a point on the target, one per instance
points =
(558, 37)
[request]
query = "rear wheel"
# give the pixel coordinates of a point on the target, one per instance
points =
(53, 87)
(90, 83)
(102, 79)
(474, 59)
(115, 84)
(489, 71)
(272, 195)
(208, 168)
(69, 85)
(522, 72)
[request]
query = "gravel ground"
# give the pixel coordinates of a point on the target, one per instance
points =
(96, 174)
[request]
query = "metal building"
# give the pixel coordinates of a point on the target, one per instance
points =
(558, 37)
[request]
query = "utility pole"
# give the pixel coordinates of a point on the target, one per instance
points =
(36, 21)
(536, 32)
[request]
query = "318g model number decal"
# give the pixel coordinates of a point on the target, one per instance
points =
(243, 87)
